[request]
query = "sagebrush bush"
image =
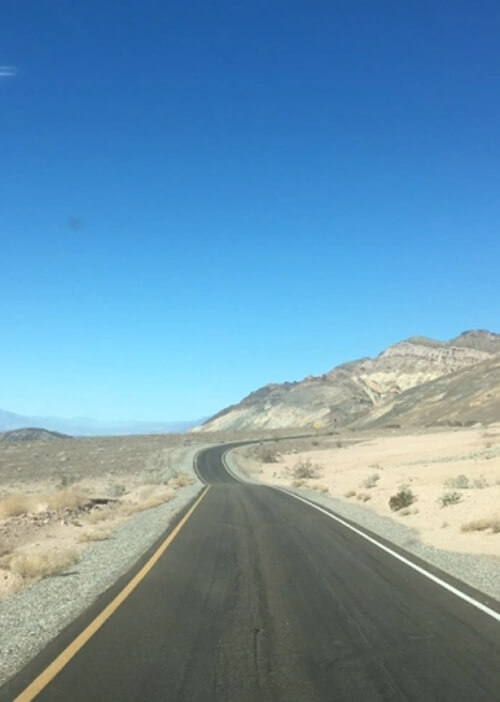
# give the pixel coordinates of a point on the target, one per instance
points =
(363, 497)
(306, 469)
(460, 482)
(403, 498)
(480, 483)
(115, 490)
(371, 481)
(450, 498)
(266, 453)
(483, 524)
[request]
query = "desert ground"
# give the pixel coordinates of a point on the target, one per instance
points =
(58, 496)
(445, 484)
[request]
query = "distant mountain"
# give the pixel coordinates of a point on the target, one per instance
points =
(31, 434)
(90, 427)
(363, 390)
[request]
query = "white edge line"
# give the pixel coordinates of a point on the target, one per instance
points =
(231, 473)
(475, 603)
(467, 598)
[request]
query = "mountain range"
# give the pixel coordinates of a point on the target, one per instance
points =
(82, 426)
(418, 381)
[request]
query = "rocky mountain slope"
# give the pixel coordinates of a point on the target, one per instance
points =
(466, 397)
(367, 390)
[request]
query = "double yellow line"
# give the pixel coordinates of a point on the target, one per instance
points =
(45, 677)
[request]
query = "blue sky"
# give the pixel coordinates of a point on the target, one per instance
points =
(200, 198)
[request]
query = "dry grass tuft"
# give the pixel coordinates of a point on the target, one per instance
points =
(62, 499)
(363, 497)
(33, 566)
(350, 493)
(483, 524)
(320, 488)
(102, 514)
(15, 505)
(180, 480)
(99, 534)
(371, 481)
(147, 502)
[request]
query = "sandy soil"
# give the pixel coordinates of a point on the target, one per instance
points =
(463, 463)
(58, 496)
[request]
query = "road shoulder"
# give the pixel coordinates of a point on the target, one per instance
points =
(479, 572)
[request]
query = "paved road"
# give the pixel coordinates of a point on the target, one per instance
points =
(260, 597)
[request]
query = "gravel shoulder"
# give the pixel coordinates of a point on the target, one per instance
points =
(478, 571)
(32, 617)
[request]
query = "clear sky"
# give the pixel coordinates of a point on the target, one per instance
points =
(198, 198)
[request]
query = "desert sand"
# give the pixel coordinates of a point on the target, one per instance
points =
(453, 476)
(59, 496)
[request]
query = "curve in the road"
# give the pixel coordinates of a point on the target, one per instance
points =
(260, 597)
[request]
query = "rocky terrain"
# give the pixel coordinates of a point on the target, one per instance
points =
(466, 397)
(458, 380)
(75, 515)
(59, 494)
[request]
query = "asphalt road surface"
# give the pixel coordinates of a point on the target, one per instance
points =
(261, 597)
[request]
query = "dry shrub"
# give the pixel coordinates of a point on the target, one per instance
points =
(298, 483)
(363, 496)
(180, 480)
(480, 483)
(371, 481)
(306, 470)
(62, 499)
(146, 502)
(403, 498)
(320, 488)
(449, 498)
(115, 490)
(266, 453)
(459, 482)
(99, 534)
(350, 493)
(483, 524)
(101, 514)
(14, 505)
(41, 564)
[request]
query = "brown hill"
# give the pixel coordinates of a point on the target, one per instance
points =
(364, 390)
(31, 434)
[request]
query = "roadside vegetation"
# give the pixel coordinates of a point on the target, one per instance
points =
(403, 498)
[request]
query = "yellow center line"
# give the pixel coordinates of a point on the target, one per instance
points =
(45, 677)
